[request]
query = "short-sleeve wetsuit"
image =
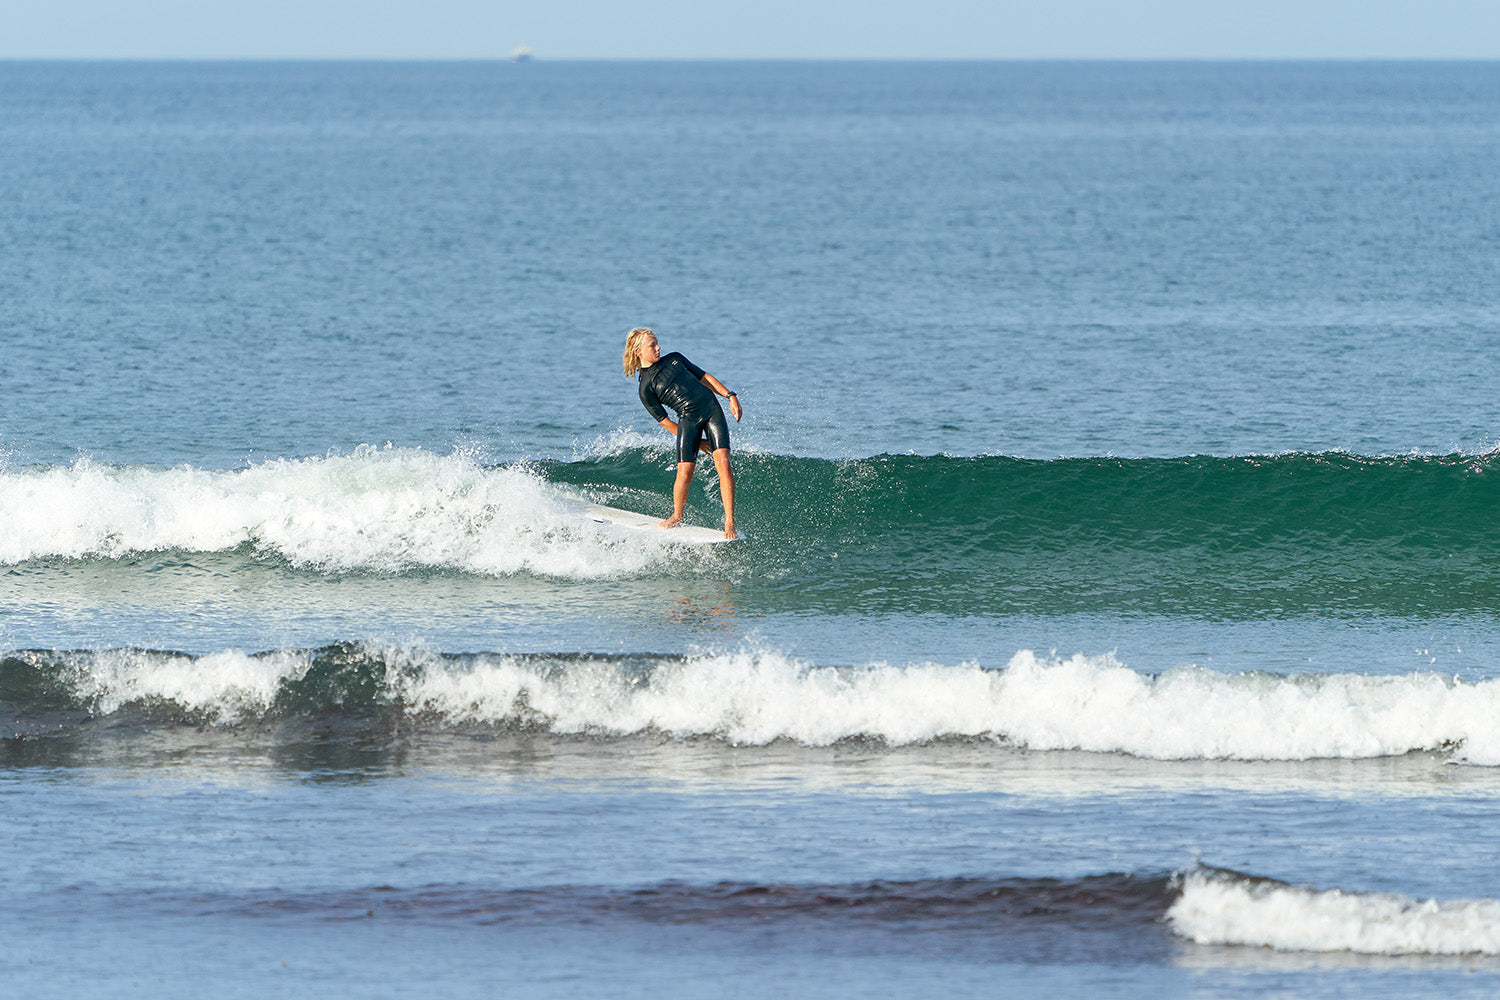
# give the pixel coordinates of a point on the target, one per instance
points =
(673, 381)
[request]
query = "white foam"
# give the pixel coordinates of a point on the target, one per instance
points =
(747, 697)
(1099, 704)
(1084, 703)
(1219, 910)
(757, 696)
(388, 509)
(225, 687)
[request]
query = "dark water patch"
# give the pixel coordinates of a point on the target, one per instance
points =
(1111, 919)
(932, 904)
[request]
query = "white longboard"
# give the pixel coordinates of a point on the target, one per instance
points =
(686, 534)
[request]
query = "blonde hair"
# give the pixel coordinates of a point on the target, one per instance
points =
(633, 349)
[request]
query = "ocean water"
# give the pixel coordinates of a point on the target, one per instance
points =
(1119, 617)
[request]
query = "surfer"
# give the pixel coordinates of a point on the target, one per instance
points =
(674, 381)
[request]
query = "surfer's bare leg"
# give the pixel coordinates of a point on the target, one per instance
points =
(680, 493)
(726, 489)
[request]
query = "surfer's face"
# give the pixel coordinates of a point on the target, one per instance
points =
(650, 352)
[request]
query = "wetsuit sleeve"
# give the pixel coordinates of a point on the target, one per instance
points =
(696, 371)
(651, 403)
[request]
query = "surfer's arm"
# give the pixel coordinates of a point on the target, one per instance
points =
(717, 387)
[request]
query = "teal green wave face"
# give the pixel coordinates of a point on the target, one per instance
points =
(1198, 536)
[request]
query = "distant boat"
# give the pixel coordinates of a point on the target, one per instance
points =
(521, 53)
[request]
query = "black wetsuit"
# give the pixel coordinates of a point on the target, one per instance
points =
(673, 381)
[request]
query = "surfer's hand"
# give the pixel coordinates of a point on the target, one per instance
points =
(734, 407)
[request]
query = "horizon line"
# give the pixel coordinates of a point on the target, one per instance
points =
(745, 59)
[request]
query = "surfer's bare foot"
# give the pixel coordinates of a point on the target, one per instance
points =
(672, 521)
(729, 531)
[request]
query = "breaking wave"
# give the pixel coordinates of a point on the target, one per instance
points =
(1246, 536)
(1225, 908)
(752, 697)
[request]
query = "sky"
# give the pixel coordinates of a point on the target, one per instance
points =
(764, 29)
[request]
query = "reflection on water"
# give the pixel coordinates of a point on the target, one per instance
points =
(212, 600)
(707, 609)
(487, 760)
